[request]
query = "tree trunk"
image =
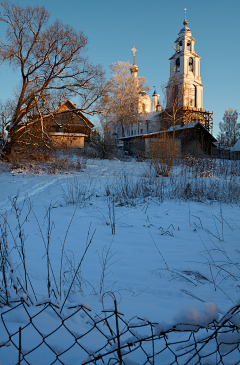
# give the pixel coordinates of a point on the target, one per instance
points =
(123, 130)
(6, 150)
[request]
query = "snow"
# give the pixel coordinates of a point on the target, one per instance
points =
(191, 315)
(163, 263)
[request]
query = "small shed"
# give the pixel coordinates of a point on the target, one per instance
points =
(235, 150)
(192, 138)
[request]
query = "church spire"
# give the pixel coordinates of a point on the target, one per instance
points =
(134, 68)
(185, 20)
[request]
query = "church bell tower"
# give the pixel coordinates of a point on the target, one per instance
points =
(185, 71)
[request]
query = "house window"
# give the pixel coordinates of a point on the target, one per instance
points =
(180, 46)
(134, 131)
(189, 45)
(131, 133)
(190, 64)
(141, 131)
(177, 64)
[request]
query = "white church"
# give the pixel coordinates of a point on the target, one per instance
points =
(184, 93)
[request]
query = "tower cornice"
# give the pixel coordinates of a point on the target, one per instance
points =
(185, 37)
(182, 53)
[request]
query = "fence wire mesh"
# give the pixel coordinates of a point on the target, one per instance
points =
(77, 337)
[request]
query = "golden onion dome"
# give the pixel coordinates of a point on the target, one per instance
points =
(134, 68)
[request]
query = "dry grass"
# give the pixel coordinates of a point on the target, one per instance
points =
(162, 155)
(43, 161)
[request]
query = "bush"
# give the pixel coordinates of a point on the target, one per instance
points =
(162, 155)
(77, 192)
(44, 161)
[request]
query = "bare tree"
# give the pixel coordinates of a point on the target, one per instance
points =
(229, 128)
(123, 93)
(50, 59)
(174, 95)
(103, 141)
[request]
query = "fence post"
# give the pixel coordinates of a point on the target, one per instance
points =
(118, 336)
(19, 346)
(152, 343)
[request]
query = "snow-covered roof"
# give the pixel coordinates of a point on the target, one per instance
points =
(177, 128)
(185, 126)
(143, 93)
(181, 128)
(134, 135)
(236, 147)
(68, 134)
(184, 29)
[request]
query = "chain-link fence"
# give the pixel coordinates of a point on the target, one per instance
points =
(76, 336)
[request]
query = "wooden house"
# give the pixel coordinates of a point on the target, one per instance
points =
(67, 127)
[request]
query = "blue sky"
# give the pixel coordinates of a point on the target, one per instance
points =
(114, 27)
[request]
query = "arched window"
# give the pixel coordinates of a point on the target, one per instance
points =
(177, 64)
(190, 64)
(195, 101)
(189, 45)
(193, 96)
(180, 46)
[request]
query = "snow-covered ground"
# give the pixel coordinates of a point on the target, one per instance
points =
(171, 260)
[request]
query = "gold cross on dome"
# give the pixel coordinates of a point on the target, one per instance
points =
(134, 50)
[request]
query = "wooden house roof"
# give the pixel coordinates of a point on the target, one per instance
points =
(68, 106)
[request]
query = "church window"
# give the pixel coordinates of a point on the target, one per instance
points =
(180, 46)
(177, 64)
(189, 45)
(193, 96)
(143, 108)
(195, 101)
(190, 63)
